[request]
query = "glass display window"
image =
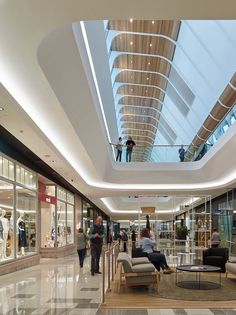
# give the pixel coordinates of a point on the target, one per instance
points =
(26, 177)
(70, 198)
(61, 223)
(25, 221)
(6, 168)
(48, 224)
(6, 221)
(70, 224)
(61, 194)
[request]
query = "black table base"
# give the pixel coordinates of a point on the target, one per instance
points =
(194, 285)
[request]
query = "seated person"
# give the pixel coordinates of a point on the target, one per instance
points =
(156, 258)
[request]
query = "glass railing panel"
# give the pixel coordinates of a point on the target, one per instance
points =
(152, 153)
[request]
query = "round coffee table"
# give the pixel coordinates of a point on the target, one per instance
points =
(198, 284)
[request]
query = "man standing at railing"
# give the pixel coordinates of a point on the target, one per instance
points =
(96, 235)
(181, 153)
(129, 148)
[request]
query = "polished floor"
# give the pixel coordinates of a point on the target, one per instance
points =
(61, 287)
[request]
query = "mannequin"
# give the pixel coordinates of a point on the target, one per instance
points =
(5, 230)
(21, 231)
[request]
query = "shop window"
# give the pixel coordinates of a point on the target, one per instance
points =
(25, 177)
(48, 227)
(61, 223)
(70, 224)
(6, 221)
(25, 222)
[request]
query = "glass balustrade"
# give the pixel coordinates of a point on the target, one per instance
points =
(173, 153)
(152, 153)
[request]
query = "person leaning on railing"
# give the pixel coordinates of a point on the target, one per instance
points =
(119, 149)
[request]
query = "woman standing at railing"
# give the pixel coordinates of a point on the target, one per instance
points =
(119, 149)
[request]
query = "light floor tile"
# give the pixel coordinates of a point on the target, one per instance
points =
(161, 312)
(199, 312)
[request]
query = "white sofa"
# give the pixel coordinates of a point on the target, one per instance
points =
(230, 266)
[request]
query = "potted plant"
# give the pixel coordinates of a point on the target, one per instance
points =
(181, 232)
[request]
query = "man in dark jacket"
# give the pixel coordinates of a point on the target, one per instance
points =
(96, 235)
(129, 148)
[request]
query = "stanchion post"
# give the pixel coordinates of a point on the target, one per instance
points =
(109, 269)
(103, 276)
(112, 262)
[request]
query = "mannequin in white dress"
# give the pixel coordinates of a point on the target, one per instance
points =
(5, 226)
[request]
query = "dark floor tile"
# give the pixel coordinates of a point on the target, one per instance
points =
(87, 305)
(23, 296)
(217, 311)
(77, 301)
(229, 312)
(25, 311)
(89, 289)
(121, 312)
(58, 311)
(180, 311)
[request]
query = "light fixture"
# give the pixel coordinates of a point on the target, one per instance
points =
(131, 20)
(150, 44)
(153, 22)
(1, 108)
(147, 78)
(131, 43)
(149, 63)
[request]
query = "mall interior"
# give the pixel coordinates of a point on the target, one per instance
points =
(123, 110)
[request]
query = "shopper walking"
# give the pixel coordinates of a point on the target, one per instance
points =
(119, 149)
(124, 238)
(215, 238)
(81, 246)
(96, 235)
(129, 148)
(133, 239)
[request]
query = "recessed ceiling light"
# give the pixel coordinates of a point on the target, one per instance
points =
(131, 43)
(150, 44)
(1, 108)
(153, 22)
(131, 20)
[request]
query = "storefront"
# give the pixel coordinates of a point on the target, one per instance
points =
(57, 219)
(18, 216)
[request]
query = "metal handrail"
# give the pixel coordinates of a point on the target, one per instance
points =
(111, 253)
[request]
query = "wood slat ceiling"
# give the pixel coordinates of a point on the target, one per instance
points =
(142, 44)
(167, 27)
(145, 86)
(142, 102)
(138, 90)
(140, 62)
(142, 78)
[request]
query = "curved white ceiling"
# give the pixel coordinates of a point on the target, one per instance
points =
(60, 99)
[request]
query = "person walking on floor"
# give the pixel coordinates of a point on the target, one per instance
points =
(119, 149)
(81, 246)
(133, 239)
(215, 238)
(96, 235)
(129, 148)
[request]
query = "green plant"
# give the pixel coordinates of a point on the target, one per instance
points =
(181, 232)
